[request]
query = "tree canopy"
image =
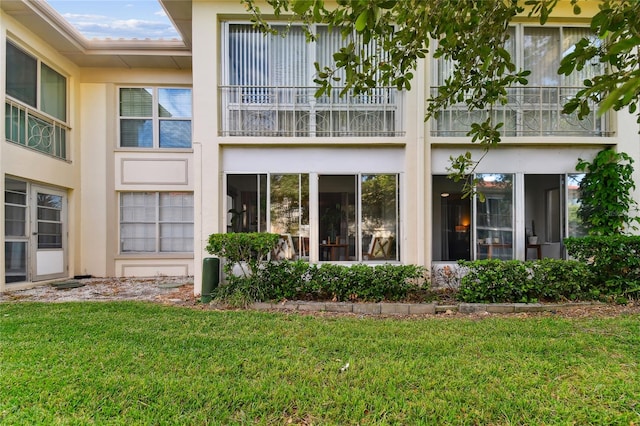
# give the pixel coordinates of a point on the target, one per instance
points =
(472, 35)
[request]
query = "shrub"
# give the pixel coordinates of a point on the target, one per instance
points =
(303, 281)
(614, 261)
(236, 248)
(286, 280)
(556, 280)
(495, 281)
(248, 250)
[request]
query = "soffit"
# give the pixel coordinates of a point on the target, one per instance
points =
(47, 24)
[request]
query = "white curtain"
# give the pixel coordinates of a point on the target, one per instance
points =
(176, 222)
(570, 37)
(541, 52)
(147, 218)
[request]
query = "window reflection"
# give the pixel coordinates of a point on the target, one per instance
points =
(379, 216)
(494, 216)
(290, 214)
(576, 227)
(350, 227)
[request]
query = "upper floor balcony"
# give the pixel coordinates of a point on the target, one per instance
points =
(528, 112)
(35, 130)
(296, 112)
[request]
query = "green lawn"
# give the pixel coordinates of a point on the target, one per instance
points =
(140, 363)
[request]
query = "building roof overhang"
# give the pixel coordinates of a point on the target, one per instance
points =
(49, 25)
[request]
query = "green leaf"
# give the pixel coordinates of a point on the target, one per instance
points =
(624, 93)
(624, 45)
(301, 6)
(361, 22)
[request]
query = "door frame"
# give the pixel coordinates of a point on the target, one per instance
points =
(47, 263)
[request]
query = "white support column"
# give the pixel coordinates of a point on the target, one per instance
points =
(314, 231)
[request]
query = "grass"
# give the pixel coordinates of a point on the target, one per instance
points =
(141, 363)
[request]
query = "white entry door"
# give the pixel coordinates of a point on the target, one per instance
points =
(49, 233)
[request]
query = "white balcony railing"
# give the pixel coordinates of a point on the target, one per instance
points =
(296, 112)
(529, 111)
(29, 128)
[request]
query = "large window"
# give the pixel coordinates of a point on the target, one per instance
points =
(155, 117)
(357, 216)
(535, 109)
(514, 216)
(268, 89)
(36, 104)
(494, 216)
(155, 222)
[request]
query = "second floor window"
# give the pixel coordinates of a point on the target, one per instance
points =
(534, 109)
(155, 117)
(36, 104)
(268, 89)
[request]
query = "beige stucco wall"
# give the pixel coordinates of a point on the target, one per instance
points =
(205, 130)
(108, 169)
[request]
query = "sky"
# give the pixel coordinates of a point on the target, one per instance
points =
(115, 19)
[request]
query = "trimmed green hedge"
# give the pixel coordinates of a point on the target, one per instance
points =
(263, 279)
(299, 280)
(550, 280)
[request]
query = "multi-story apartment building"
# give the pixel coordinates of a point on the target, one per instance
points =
(121, 157)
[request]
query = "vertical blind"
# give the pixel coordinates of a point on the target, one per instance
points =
(542, 50)
(256, 59)
(282, 59)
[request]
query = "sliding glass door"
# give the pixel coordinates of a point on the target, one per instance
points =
(355, 216)
(289, 213)
(513, 216)
(494, 217)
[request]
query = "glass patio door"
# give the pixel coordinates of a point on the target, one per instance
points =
(49, 234)
(494, 217)
(337, 214)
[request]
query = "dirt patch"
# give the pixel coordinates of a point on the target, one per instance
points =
(168, 290)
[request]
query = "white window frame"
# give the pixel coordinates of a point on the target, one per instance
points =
(155, 118)
(156, 222)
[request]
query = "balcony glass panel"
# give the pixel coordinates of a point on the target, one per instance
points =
(294, 111)
(24, 126)
(530, 111)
